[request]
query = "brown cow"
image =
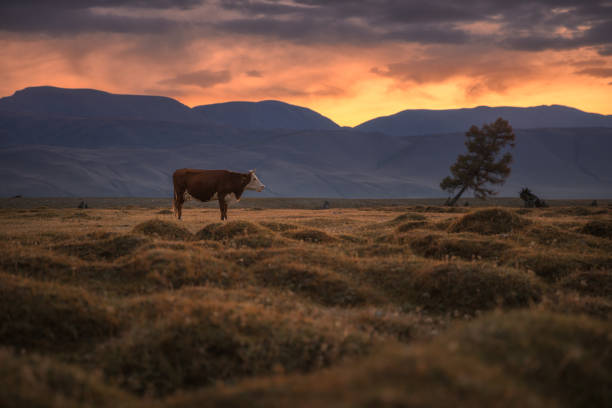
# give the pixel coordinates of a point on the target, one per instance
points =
(206, 185)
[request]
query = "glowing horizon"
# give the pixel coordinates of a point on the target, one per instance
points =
(350, 62)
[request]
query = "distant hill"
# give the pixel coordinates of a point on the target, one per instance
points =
(58, 142)
(423, 121)
(265, 115)
(90, 103)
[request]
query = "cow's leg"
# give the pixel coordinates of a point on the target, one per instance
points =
(223, 208)
(177, 204)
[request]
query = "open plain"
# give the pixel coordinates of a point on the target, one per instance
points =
(371, 304)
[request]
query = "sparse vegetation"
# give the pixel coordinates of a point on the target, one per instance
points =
(412, 305)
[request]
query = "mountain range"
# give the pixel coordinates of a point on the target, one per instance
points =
(81, 142)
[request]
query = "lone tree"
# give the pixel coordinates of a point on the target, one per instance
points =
(472, 171)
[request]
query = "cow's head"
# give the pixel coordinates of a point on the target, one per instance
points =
(254, 184)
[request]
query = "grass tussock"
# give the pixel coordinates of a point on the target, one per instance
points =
(310, 235)
(172, 269)
(563, 357)
(43, 316)
(448, 247)
(489, 222)
(314, 282)
(593, 283)
(553, 265)
(468, 288)
(33, 381)
(407, 217)
(411, 225)
(278, 226)
(574, 303)
(250, 314)
(206, 342)
(598, 228)
(105, 249)
(163, 229)
(237, 234)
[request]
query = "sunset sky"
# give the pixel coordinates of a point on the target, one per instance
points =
(349, 60)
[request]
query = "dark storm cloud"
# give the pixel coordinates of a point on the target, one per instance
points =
(203, 78)
(520, 25)
(596, 72)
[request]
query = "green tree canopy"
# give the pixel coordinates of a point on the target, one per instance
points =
(480, 166)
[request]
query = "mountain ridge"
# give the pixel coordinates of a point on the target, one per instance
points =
(47, 149)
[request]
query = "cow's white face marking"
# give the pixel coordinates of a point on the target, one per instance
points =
(255, 183)
(231, 199)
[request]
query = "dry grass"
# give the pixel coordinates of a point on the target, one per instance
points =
(489, 221)
(397, 306)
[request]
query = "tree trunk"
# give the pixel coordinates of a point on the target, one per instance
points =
(456, 198)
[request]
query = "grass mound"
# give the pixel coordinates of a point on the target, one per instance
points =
(316, 283)
(598, 228)
(310, 235)
(163, 229)
(574, 212)
(32, 381)
(168, 268)
(489, 221)
(439, 247)
(407, 217)
(567, 357)
(36, 315)
(239, 234)
(594, 283)
(224, 231)
(42, 265)
(409, 226)
(278, 226)
(394, 377)
(469, 287)
(106, 249)
(576, 304)
(205, 341)
(555, 264)
(378, 250)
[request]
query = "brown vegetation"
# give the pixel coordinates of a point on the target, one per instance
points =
(395, 306)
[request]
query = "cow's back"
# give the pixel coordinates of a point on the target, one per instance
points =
(201, 184)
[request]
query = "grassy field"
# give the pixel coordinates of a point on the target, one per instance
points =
(390, 303)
